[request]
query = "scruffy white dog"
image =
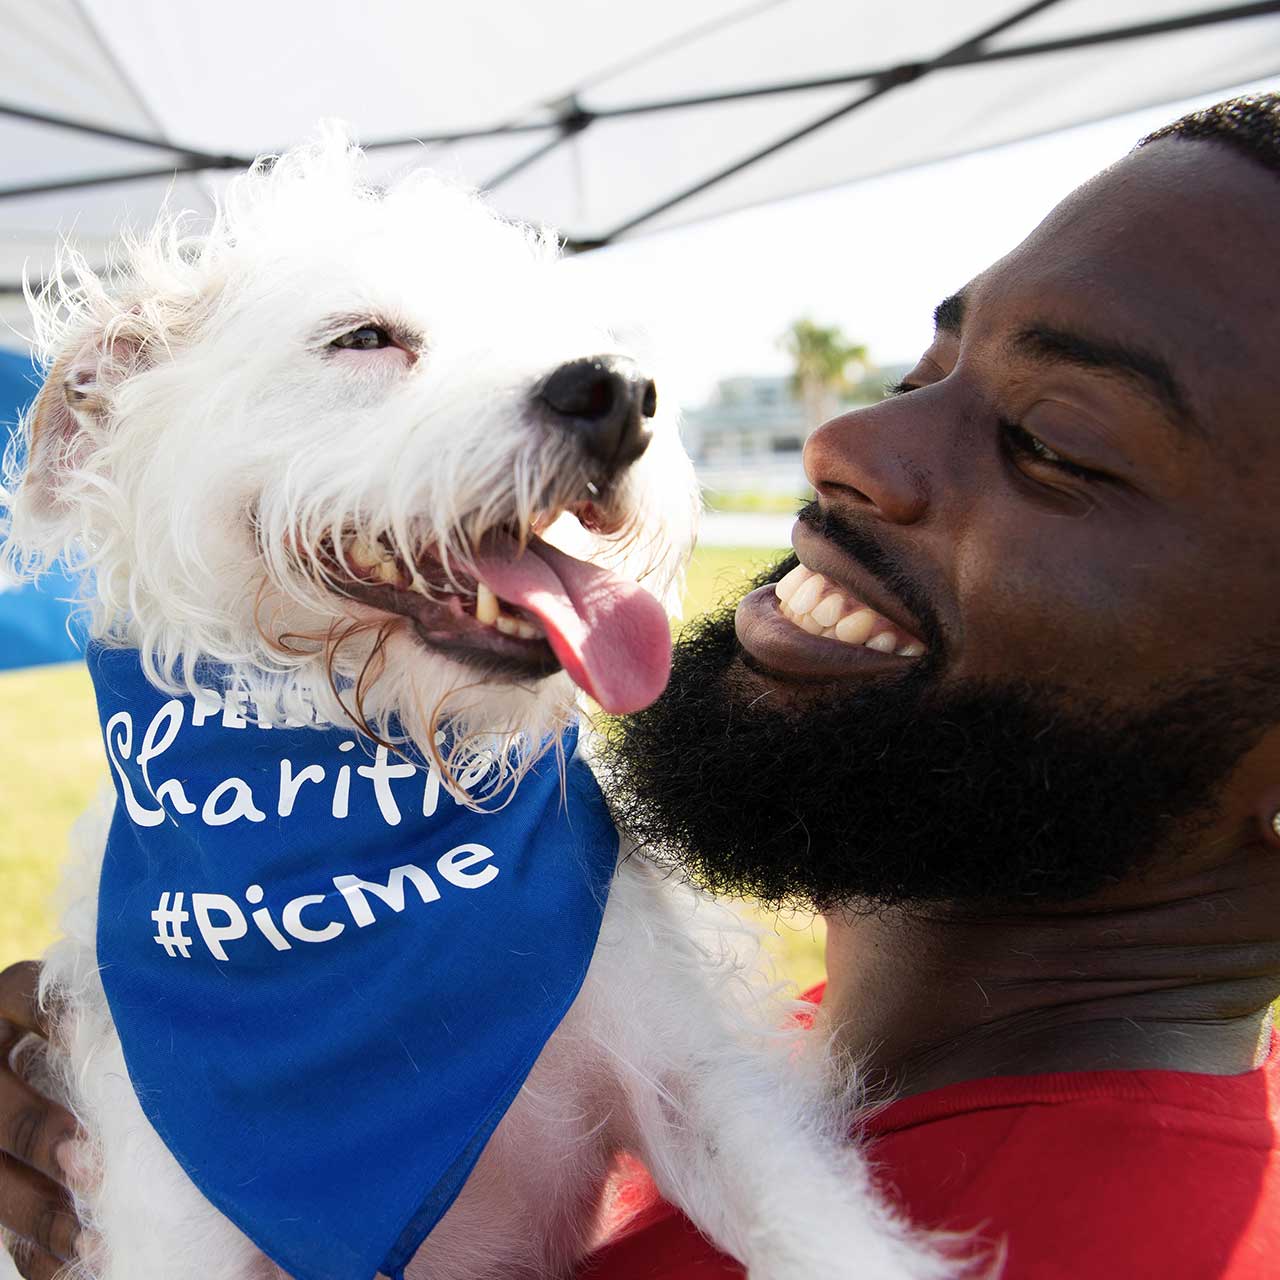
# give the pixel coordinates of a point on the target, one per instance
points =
(320, 445)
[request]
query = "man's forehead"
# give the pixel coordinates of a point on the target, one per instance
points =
(1175, 250)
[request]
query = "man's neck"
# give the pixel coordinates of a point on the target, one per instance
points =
(1180, 981)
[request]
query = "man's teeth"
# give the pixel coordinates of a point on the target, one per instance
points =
(805, 590)
(489, 611)
(815, 605)
(856, 627)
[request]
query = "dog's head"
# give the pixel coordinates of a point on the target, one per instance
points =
(360, 444)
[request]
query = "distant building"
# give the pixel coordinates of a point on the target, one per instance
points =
(751, 421)
(746, 418)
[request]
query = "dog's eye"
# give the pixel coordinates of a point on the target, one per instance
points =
(368, 337)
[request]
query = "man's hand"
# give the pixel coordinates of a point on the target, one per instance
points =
(35, 1208)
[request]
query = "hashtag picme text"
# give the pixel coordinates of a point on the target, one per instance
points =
(220, 919)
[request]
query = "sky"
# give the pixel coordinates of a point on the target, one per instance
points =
(874, 258)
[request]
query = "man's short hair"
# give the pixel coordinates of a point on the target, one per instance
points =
(1250, 124)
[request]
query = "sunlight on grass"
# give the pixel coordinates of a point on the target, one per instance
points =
(51, 765)
(718, 575)
(755, 500)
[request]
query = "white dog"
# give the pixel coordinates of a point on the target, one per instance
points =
(330, 446)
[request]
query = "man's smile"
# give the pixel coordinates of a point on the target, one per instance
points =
(821, 608)
(828, 633)
(827, 617)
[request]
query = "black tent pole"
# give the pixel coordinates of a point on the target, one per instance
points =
(571, 123)
(207, 159)
(885, 84)
(965, 55)
(969, 53)
(104, 179)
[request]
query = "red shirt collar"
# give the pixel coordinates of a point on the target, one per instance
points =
(1233, 1095)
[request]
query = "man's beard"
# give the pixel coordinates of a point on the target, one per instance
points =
(917, 789)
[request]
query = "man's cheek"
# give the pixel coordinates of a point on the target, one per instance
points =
(1041, 621)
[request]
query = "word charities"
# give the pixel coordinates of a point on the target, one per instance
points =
(234, 799)
(220, 919)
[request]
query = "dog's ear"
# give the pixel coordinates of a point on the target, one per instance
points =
(72, 413)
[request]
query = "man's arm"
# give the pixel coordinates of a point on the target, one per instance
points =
(35, 1209)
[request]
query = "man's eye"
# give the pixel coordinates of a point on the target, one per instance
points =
(1022, 444)
(368, 337)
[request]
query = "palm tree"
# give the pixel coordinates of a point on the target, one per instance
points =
(827, 365)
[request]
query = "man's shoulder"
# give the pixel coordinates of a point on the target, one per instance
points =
(1101, 1174)
(1109, 1175)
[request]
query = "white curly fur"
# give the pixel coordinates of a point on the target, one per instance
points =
(194, 435)
(220, 436)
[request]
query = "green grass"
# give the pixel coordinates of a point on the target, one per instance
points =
(786, 504)
(718, 574)
(51, 765)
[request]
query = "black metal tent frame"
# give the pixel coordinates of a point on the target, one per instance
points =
(571, 118)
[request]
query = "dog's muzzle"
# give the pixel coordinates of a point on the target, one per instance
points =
(606, 403)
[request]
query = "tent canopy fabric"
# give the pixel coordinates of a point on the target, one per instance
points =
(601, 120)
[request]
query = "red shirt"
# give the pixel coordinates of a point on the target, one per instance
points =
(1109, 1175)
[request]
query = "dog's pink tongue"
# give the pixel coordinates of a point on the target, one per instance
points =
(610, 635)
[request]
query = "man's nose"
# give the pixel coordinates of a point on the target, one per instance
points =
(605, 403)
(878, 458)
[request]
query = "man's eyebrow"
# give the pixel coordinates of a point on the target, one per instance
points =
(1149, 371)
(948, 315)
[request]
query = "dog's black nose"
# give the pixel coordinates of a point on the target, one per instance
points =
(606, 402)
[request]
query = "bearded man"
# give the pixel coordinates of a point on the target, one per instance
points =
(1043, 817)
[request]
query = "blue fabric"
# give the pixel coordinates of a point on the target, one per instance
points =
(323, 1041)
(33, 619)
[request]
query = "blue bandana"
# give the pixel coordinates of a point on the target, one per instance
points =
(329, 978)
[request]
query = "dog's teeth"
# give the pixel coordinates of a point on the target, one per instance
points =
(386, 571)
(487, 609)
(517, 627)
(364, 554)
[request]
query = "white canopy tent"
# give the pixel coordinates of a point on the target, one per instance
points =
(604, 120)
